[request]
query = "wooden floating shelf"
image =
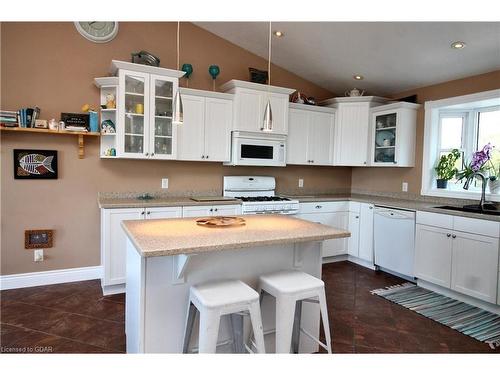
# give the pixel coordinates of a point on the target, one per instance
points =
(81, 146)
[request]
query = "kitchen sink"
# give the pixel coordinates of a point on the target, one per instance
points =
(490, 209)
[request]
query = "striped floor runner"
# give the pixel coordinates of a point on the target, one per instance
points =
(471, 321)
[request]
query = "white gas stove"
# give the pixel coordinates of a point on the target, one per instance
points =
(257, 195)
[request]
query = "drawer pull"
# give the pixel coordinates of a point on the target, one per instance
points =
(448, 235)
(453, 236)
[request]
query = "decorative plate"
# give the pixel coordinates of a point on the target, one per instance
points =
(220, 221)
(384, 134)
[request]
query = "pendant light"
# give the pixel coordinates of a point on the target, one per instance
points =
(267, 124)
(178, 112)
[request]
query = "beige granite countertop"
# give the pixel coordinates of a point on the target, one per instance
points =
(183, 236)
(134, 202)
(406, 204)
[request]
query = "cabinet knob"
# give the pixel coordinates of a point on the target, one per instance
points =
(206, 156)
(142, 213)
(318, 206)
(152, 154)
(211, 210)
(203, 156)
(448, 235)
(216, 210)
(364, 162)
(312, 161)
(149, 212)
(453, 236)
(147, 154)
(370, 207)
(357, 217)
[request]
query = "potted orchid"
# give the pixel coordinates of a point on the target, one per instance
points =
(446, 168)
(477, 164)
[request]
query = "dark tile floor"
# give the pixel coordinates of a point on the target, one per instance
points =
(76, 318)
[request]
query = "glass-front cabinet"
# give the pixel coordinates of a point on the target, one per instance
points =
(145, 104)
(393, 135)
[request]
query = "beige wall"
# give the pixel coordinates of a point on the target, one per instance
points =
(52, 66)
(390, 179)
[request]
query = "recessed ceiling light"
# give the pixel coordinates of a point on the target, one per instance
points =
(278, 33)
(458, 45)
(358, 77)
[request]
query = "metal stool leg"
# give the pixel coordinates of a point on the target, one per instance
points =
(324, 317)
(237, 332)
(296, 327)
(191, 315)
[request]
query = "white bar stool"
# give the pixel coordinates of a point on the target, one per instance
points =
(215, 299)
(291, 288)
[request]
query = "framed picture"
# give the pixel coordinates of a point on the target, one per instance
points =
(38, 239)
(35, 164)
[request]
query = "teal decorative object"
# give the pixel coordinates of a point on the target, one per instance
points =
(188, 68)
(214, 71)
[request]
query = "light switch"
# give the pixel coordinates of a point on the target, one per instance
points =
(404, 186)
(301, 182)
(164, 183)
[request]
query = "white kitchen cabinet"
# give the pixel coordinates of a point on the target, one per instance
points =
(218, 210)
(113, 240)
(366, 232)
(144, 128)
(334, 219)
(163, 212)
(462, 261)
(250, 100)
(353, 241)
(433, 252)
(475, 265)
(393, 128)
(310, 135)
(352, 128)
(206, 132)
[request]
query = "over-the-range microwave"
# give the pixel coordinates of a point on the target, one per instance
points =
(259, 149)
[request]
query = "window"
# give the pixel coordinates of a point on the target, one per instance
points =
(465, 123)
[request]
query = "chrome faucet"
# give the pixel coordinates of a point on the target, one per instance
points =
(483, 187)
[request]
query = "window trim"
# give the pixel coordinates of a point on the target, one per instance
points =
(432, 125)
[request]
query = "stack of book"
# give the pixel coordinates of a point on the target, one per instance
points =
(9, 118)
(27, 117)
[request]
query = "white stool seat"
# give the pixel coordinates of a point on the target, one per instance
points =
(215, 299)
(222, 293)
(291, 288)
(289, 282)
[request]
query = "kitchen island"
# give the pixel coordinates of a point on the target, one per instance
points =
(166, 257)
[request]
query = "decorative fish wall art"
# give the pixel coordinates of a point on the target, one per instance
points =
(35, 164)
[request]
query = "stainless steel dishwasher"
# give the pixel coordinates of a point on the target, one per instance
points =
(394, 233)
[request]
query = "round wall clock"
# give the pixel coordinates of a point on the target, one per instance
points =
(98, 32)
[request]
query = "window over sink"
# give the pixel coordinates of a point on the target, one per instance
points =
(466, 123)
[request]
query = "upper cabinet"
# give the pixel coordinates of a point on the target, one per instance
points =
(310, 135)
(144, 103)
(393, 135)
(250, 100)
(352, 128)
(206, 132)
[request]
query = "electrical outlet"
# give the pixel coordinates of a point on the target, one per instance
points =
(164, 183)
(301, 182)
(38, 255)
(404, 186)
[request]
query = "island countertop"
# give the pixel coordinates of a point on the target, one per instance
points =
(166, 237)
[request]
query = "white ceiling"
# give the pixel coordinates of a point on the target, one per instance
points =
(392, 56)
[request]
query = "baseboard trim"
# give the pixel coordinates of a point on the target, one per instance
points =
(459, 296)
(112, 289)
(24, 280)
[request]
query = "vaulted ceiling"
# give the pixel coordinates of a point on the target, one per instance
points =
(392, 56)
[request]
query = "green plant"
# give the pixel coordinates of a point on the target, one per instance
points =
(446, 168)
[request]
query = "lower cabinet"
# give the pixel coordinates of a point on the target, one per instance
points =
(355, 217)
(221, 210)
(113, 238)
(464, 262)
(334, 219)
(475, 266)
(433, 250)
